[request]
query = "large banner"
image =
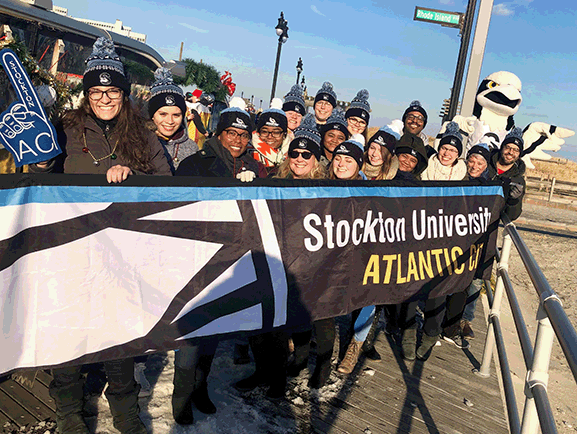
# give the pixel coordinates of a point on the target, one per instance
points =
(93, 272)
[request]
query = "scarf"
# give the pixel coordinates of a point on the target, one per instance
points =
(435, 171)
(268, 156)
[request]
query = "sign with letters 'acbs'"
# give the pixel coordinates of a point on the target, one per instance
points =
(24, 127)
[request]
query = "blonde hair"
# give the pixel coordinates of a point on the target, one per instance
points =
(317, 172)
(332, 175)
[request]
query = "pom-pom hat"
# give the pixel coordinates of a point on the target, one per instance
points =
(273, 116)
(326, 93)
(164, 92)
(385, 137)
(307, 137)
(336, 121)
(104, 68)
(360, 106)
(235, 116)
(514, 137)
(352, 147)
(452, 137)
(415, 106)
(294, 100)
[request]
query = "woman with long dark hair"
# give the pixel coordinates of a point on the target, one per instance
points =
(105, 135)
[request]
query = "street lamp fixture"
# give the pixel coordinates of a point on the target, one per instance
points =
(282, 33)
(299, 69)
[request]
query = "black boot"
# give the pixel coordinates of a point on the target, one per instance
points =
(426, 347)
(67, 391)
(181, 396)
(322, 371)
(200, 396)
(368, 348)
(122, 395)
(300, 358)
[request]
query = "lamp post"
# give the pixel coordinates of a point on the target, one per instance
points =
(299, 69)
(282, 32)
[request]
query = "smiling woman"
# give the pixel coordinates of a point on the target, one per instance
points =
(167, 109)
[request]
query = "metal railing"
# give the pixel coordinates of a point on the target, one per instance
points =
(552, 321)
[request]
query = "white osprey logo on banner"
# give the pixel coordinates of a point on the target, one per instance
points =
(272, 122)
(170, 100)
(239, 124)
(105, 79)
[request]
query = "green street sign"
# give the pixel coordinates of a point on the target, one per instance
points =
(445, 18)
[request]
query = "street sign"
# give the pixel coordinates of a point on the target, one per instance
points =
(445, 18)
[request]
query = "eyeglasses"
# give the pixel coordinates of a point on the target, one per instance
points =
(274, 134)
(357, 122)
(305, 154)
(233, 135)
(416, 118)
(512, 149)
(96, 95)
(449, 149)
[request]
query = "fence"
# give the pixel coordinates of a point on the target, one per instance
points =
(552, 321)
(551, 186)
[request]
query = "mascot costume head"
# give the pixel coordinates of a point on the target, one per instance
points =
(498, 99)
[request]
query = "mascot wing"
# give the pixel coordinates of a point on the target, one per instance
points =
(466, 127)
(539, 137)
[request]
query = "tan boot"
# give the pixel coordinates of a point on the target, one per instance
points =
(352, 355)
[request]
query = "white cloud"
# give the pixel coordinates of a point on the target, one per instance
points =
(502, 9)
(316, 11)
(196, 29)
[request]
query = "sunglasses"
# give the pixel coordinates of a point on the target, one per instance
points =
(305, 154)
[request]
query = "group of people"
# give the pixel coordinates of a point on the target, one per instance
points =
(106, 135)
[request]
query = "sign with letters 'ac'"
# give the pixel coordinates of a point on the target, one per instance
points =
(92, 272)
(24, 127)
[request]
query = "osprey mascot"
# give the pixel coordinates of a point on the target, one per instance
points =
(498, 99)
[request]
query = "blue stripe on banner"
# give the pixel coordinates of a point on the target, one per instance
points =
(77, 194)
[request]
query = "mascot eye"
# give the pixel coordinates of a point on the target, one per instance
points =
(491, 84)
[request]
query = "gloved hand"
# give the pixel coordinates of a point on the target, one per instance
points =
(246, 175)
(516, 190)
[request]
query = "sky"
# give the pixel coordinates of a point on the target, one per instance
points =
(372, 44)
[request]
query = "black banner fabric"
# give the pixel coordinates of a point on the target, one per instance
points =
(93, 272)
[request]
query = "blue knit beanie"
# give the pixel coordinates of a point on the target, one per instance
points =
(360, 106)
(164, 92)
(104, 68)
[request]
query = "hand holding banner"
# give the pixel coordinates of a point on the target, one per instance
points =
(24, 127)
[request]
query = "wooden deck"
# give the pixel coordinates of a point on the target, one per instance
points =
(441, 395)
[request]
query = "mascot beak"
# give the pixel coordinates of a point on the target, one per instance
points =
(503, 99)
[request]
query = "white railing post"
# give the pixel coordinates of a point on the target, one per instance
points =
(539, 373)
(485, 369)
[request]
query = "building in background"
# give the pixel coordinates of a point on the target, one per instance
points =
(116, 27)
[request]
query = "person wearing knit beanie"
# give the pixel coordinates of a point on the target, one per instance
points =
(167, 109)
(164, 93)
(478, 159)
(357, 114)
(303, 157)
(294, 106)
(348, 159)
(325, 102)
(333, 133)
(268, 143)
(412, 154)
(380, 160)
(446, 165)
(235, 117)
(415, 118)
(104, 68)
